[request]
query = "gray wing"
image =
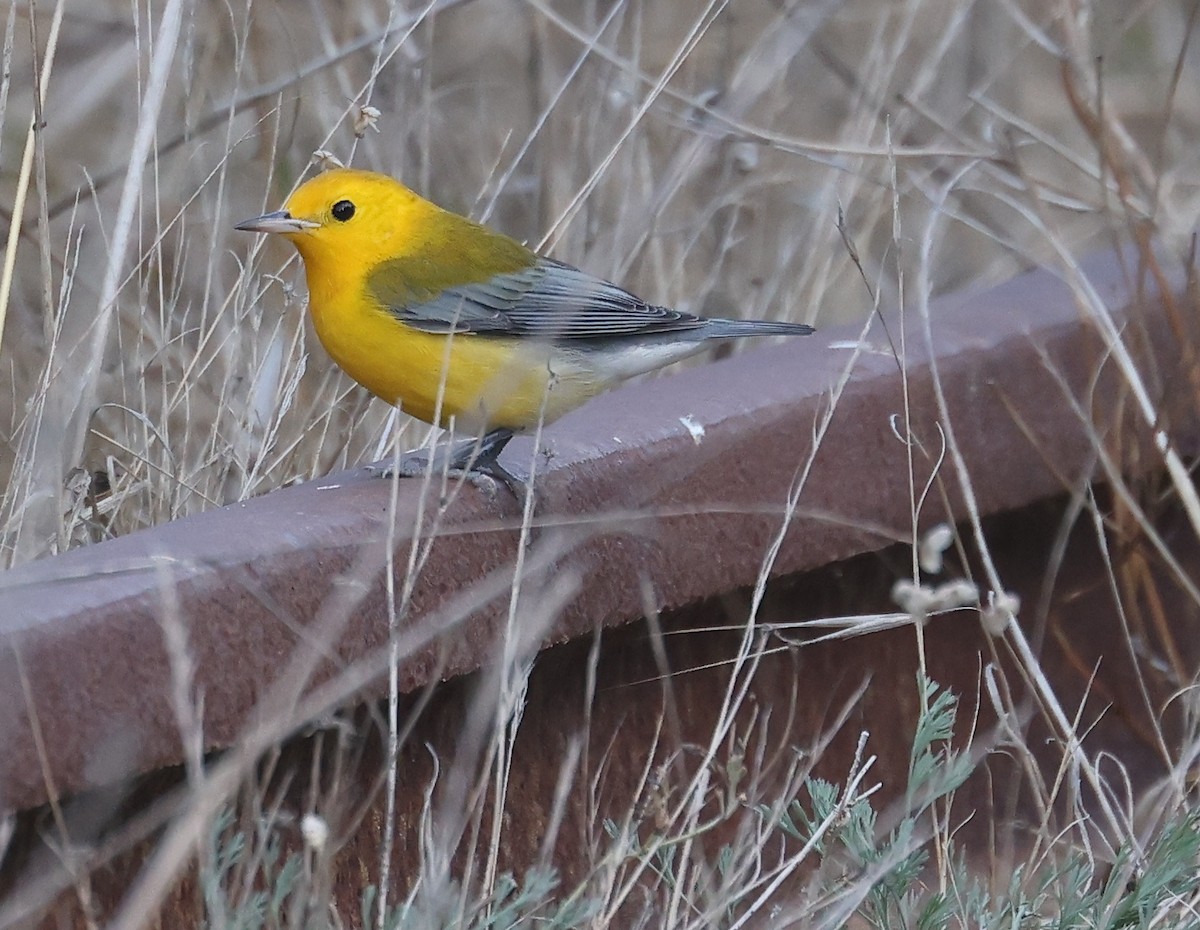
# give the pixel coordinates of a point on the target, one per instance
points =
(548, 300)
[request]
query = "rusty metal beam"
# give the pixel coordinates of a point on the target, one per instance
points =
(655, 496)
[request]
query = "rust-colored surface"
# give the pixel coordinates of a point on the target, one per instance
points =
(629, 493)
(611, 702)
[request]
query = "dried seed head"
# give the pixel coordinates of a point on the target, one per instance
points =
(366, 119)
(933, 544)
(324, 160)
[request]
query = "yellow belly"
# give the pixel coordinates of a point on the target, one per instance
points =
(481, 382)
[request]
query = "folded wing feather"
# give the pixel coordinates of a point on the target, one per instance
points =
(548, 300)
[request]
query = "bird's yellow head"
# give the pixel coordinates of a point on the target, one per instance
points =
(351, 225)
(345, 219)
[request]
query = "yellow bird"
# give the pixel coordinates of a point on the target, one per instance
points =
(460, 325)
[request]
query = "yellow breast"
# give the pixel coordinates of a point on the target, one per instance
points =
(482, 382)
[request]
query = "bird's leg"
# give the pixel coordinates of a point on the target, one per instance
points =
(481, 458)
(474, 459)
(481, 454)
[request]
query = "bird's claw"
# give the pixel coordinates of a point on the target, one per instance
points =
(472, 460)
(409, 465)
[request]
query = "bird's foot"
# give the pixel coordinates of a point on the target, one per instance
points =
(475, 460)
(416, 465)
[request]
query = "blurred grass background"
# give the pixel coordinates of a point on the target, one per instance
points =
(157, 363)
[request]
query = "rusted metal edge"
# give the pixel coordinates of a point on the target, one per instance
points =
(654, 496)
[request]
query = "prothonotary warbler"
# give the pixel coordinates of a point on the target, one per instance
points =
(459, 324)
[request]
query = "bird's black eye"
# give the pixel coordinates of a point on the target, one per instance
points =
(343, 210)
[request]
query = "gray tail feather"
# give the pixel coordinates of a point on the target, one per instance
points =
(727, 329)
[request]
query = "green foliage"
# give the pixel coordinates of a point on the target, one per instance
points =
(1138, 893)
(247, 888)
(934, 769)
(883, 876)
(510, 905)
(875, 868)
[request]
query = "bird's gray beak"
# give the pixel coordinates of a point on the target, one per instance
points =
(278, 222)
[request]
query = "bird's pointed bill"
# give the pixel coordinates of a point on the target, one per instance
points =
(280, 221)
